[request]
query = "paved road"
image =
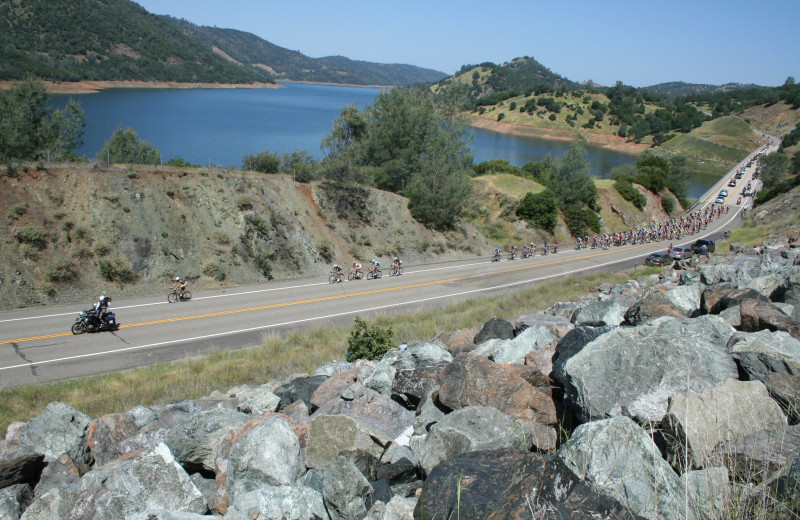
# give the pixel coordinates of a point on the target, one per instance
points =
(36, 345)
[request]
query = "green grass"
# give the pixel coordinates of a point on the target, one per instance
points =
(276, 358)
(513, 185)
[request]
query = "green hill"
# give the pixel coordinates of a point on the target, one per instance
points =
(118, 40)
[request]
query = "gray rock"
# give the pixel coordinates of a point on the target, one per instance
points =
(56, 503)
(475, 428)
(695, 423)
(540, 319)
(174, 515)
(285, 502)
(762, 353)
(344, 490)
(382, 378)
(150, 481)
(59, 429)
(495, 328)
(599, 314)
(142, 416)
(260, 402)
(398, 508)
(686, 298)
(633, 371)
(334, 367)
(428, 413)
(300, 389)
(14, 500)
(105, 434)
(63, 473)
(24, 469)
(572, 343)
(709, 490)
(329, 435)
(194, 439)
(620, 460)
(422, 355)
(513, 351)
(269, 454)
(761, 453)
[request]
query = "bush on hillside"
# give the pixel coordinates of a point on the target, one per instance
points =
(367, 341)
(540, 209)
(628, 192)
(580, 220)
(264, 162)
(668, 203)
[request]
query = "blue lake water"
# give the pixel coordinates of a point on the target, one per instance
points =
(220, 126)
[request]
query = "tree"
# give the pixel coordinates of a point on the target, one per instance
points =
(124, 146)
(264, 162)
(301, 164)
(772, 169)
(541, 209)
(570, 181)
(28, 129)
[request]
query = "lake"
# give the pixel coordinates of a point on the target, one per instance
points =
(220, 126)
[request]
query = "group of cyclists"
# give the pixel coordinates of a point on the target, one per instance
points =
(358, 273)
(673, 229)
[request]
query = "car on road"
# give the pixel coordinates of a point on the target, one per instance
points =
(723, 193)
(720, 200)
(698, 245)
(681, 253)
(739, 174)
(658, 259)
(732, 184)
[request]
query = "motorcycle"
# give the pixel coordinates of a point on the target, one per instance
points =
(88, 321)
(738, 201)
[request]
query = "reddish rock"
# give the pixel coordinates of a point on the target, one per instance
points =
(542, 359)
(104, 435)
(717, 298)
(758, 315)
(332, 387)
(654, 305)
(459, 341)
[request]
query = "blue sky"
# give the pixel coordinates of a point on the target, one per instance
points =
(640, 43)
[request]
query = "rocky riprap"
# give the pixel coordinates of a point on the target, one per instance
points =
(677, 392)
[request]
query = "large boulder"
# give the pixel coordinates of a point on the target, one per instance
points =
(620, 460)
(518, 391)
(572, 343)
(127, 488)
(345, 490)
(458, 342)
(633, 371)
(59, 429)
(763, 353)
(299, 389)
(285, 502)
(598, 314)
(422, 355)
(756, 315)
(695, 423)
(474, 428)
(330, 435)
(785, 389)
(14, 500)
(759, 454)
(25, 469)
(105, 434)
(507, 484)
(268, 454)
(411, 386)
(495, 328)
(195, 439)
(513, 351)
(260, 401)
(717, 298)
(709, 490)
(332, 387)
(655, 304)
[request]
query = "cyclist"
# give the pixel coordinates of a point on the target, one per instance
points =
(356, 269)
(179, 286)
(579, 244)
(526, 250)
(546, 248)
(513, 251)
(497, 253)
(375, 266)
(337, 270)
(555, 247)
(397, 263)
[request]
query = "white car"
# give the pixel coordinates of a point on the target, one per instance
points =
(723, 193)
(720, 200)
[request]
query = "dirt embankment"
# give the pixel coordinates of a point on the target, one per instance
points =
(89, 87)
(611, 142)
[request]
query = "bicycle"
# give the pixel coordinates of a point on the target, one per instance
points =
(175, 296)
(512, 256)
(352, 276)
(374, 274)
(397, 271)
(334, 277)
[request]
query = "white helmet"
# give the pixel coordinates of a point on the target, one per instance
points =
(177, 278)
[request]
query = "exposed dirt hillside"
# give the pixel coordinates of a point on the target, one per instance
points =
(71, 232)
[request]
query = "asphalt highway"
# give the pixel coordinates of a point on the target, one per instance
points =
(37, 346)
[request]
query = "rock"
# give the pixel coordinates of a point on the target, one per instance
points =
(60, 473)
(376, 410)
(763, 353)
(259, 402)
(59, 429)
(475, 428)
(495, 328)
(760, 453)
(709, 490)
(25, 469)
(617, 458)
(14, 499)
(398, 508)
(150, 481)
(402, 471)
(429, 412)
(655, 304)
(329, 435)
(506, 484)
(382, 378)
(300, 389)
(268, 454)
(542, 320)
(541, 359)
(759, 315)
(285, 502)
(141, 416)
(332, 387)
(598, 314)
(513, 351)
(717, 298)
(458, 342)
(422, 355)
(411, 386)
(785, 389)
(195, 439)
(518, 391)
(105, 434)
(344, 490)
(695, 423)
(334, 367)
(571, 344)
(633, 371)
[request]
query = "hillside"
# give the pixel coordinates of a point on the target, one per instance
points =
(69, 231)
(118, 40)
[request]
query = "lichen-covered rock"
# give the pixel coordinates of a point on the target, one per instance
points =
(344, 490)
(59, 429)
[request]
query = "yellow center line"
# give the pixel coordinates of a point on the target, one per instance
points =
(325, 298)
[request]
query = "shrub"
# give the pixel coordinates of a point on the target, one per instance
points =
(221, 238)
(117, 270)
(367, 341)
(580, 220)
(326, 250)
(540, 209)
(60, 270)
(34, 236)
(628, 192)
(244, 203)
(262, 262)
(215, 271)
(17, 210)
(668, 203)
(264, 162)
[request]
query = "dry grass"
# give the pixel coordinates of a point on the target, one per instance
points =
(276, 358)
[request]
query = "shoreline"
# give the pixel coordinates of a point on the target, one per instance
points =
(611, 142)
(90, 87)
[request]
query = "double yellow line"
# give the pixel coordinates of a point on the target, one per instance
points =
(321, 298)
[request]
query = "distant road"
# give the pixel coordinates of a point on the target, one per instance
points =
(36, 345)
